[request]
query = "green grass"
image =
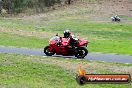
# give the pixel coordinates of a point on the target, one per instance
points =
(126, 17)
(14, 23)
(20, 24)
(110, 46)
(19, 71)
(22, 41)
(104, 30)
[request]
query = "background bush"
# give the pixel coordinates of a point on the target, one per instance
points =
(18, 6)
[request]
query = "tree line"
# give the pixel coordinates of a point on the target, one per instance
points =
(18, 6)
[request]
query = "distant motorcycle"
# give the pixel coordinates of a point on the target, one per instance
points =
(60, 46)
(115, 19)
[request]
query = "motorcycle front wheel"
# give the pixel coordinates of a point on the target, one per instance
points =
(47, 52)
(81, 52)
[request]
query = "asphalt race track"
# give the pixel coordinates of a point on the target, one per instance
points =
(90, 56)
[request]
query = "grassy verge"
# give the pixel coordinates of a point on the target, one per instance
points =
(45, 72)
(22, 41)
(16, 24)
(18, 73)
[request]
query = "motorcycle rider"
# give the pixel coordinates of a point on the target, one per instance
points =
(115, 18)
(72, 42)
(69, 35)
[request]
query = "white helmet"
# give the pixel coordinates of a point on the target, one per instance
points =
(67, 31)
(116, 16)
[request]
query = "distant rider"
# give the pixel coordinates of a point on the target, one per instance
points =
(115, 18)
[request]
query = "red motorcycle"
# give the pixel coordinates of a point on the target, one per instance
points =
(60, 46)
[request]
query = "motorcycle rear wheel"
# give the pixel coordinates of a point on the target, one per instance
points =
(47, 52)
(81, 52)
